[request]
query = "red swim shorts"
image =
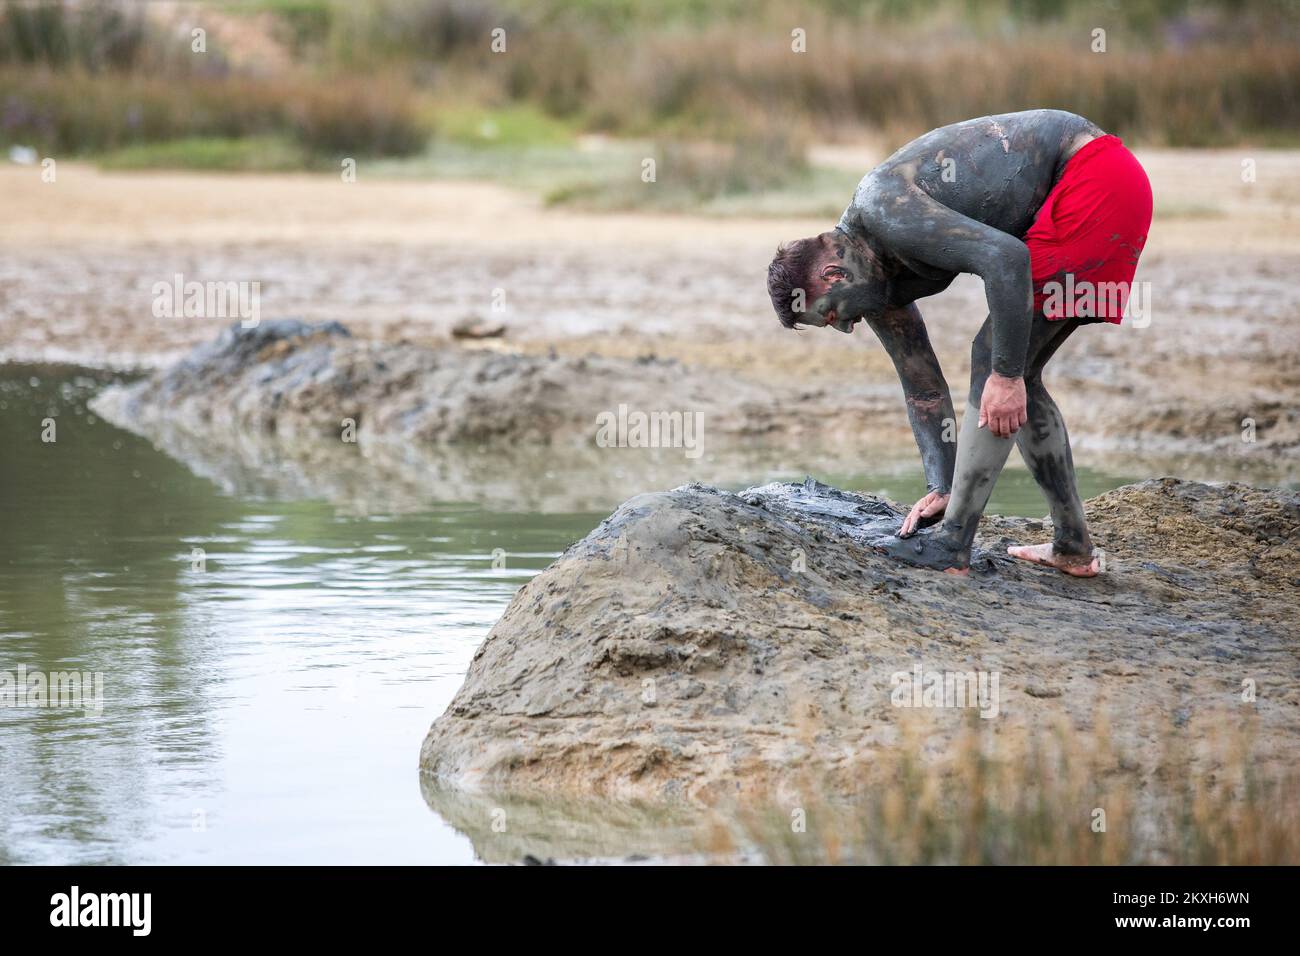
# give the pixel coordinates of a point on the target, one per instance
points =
(1084, 244)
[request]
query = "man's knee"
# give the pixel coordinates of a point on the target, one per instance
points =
(1043, 415)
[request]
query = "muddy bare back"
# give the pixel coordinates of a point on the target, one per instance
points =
(1002, 168)
(959, 199)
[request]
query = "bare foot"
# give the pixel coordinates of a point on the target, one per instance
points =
(1078, 565)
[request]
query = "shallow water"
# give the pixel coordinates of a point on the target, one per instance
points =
(264, 696)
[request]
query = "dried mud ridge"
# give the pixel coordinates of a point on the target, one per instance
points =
(679, 651)
(302, 381)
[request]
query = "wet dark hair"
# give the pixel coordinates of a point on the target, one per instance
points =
(790, 270)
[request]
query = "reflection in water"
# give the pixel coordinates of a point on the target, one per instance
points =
(276, 633)
(394, 476)
(507, 829)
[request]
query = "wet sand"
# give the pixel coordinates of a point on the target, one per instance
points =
(398, 260)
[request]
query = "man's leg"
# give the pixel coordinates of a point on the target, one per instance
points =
(1045, 445)
(980, 457)
(980, 453)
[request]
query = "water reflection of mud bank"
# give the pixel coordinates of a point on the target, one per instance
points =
(373, 477)
(395, 477)
(514, 829)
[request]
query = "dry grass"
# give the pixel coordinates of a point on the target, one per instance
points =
(1180, 73)
(1037, 799)
(75, 112)
(721, 81)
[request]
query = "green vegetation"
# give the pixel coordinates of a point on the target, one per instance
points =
(250, 154)
(711, 177)
(513, 127)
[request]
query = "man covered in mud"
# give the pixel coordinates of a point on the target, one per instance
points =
(1031, 202)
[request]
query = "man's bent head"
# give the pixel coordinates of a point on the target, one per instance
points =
(806, 269)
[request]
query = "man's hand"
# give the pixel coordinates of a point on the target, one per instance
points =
(924, 513)
(1003, 406)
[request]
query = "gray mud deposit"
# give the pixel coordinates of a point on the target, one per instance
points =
(302, 381)
(679, 651)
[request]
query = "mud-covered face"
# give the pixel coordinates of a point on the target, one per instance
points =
(846, 286)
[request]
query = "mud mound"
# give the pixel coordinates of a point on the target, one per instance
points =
(298, 380)
(1253, 532)
(700, 644)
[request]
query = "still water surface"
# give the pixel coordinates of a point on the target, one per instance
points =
(265, 695)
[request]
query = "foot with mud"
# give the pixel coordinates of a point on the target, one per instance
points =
(1078, 565)
(929, 551)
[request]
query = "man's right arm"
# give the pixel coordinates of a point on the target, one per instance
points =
(929, 406)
